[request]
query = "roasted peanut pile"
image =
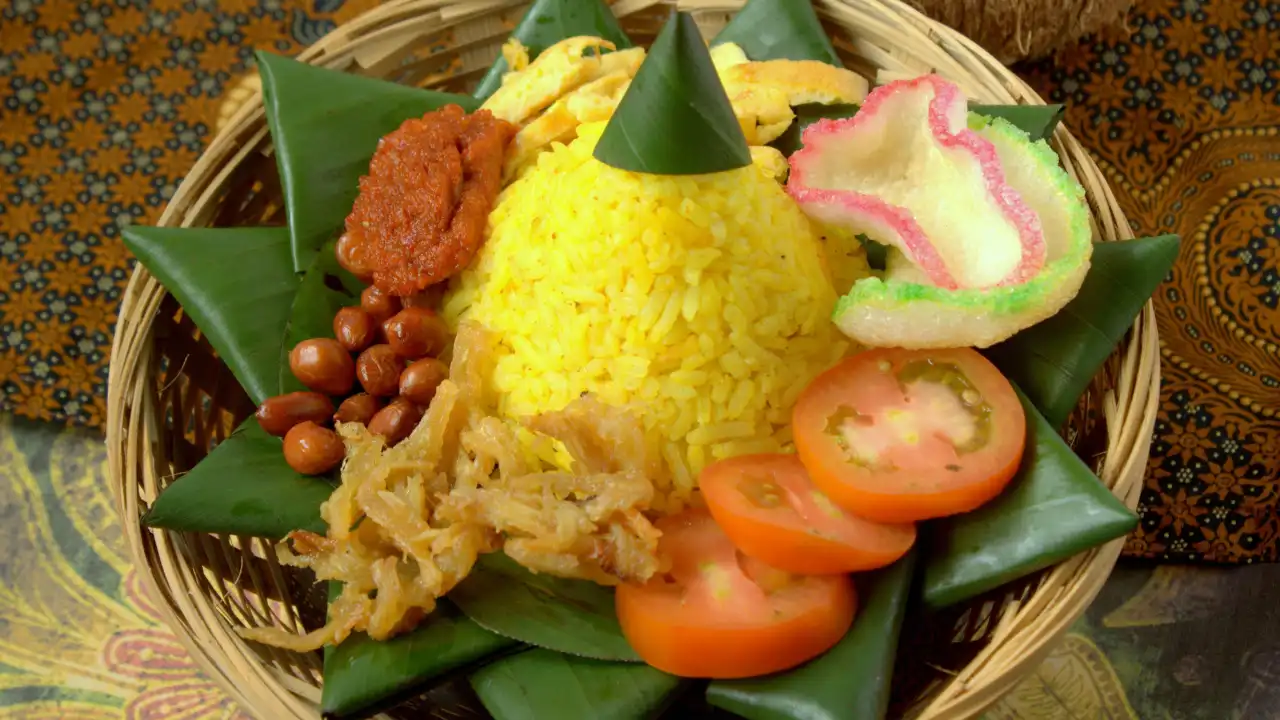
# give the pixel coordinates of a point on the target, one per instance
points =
(390, 346)
(418, 219)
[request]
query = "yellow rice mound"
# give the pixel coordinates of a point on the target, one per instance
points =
(702, 303)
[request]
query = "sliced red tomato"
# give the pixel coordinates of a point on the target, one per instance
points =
(899, 435)
(720, 614)
(771, 510)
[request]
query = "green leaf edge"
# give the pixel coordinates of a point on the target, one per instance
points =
(779, 29)
(408, 684)
(167, 252)
(1038, 121)
(314, 286)
(498, 569)
(308, 232)
(599, 21)
(313, 308)
(521, 707)
(883, 597)
(753, 25)
(169, 511)
(945, 580)
(1028, 358)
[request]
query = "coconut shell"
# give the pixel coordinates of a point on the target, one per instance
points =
(1014, 30)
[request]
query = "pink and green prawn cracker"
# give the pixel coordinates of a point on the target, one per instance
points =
(986, 235)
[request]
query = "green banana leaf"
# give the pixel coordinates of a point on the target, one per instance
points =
(569, 616)
(325, 125)
(243, 487)
(850, 681)
(1038, 121)
(1054, 361)
(235, 283)
(1054, 508)
(779, 29)
(540, 684)
(546, 23)
(675, 118)
(362, 675)
(789, 141)
(325, 289)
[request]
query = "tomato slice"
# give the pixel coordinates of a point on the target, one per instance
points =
(771, 510)
(720, 614)
(899, 435)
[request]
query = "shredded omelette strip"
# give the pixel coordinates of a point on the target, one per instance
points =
(408, 522)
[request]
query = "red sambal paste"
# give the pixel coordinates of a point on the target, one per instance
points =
(421, 212)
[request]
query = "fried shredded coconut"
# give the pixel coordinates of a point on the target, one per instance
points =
(408, 522)
(421, 211)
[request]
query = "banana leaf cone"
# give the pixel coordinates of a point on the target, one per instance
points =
(675, 118)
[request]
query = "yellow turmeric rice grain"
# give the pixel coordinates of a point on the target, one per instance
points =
(701, 302)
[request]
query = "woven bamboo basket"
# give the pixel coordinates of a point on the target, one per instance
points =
(170, 397)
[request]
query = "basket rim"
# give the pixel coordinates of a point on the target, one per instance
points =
(1026, 631)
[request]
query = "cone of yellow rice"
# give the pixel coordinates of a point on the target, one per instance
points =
(701, 302)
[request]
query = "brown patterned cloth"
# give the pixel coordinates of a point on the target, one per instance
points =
(107, 103)
(1183, 115)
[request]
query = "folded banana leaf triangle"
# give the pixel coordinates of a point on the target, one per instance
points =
(540, 642)
(239, 287)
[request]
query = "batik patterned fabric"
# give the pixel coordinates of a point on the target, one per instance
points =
(1183, 115)
(107, 104)
(105, 107)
